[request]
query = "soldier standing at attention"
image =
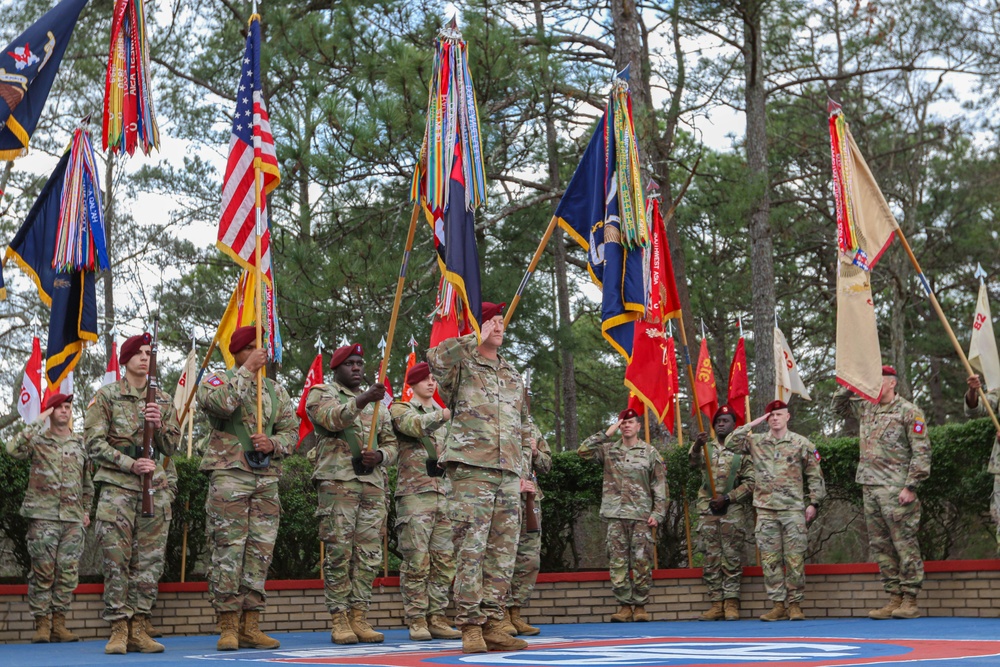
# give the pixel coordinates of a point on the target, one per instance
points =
(422, 524)
(634, 501)
(483, 463)
(722, 520)
(784, 463)
(130, 543)
(242, 506)
(895, 459)
(57, 504)
(973, 408)
(352, 490)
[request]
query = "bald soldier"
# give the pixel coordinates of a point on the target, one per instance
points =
(132, 546)
(483, 462)
(57, 505)
(351, 487)
(242, 506)
(633, 501)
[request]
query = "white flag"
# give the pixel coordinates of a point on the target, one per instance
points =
(185, 385)
(29, 402)
(786, 371)
(983, 346)
(113, 374)
(66, 386)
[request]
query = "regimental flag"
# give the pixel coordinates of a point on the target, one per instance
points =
(786, 372)
(313, 378)
(29, 402)
(407, 393)
(599, 211)
(706, 398)
(113, 373)
(739, 383)
(241, 312)
(388, 398)
(71, 296)
(28, 67)
(674, 387)
(635, 403)
(865, 228)
(186, 384)
(449, 320)
(983, 346)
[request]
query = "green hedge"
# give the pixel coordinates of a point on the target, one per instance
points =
(956, 499)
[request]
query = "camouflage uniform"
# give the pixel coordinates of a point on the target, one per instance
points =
(895, 453)
(131, 545)
(994, 465)
(529, 545)
(352, 508)
(635, 488)
(483, 458)
(242, 507)
(723, 537)
(782, 469)
(423, 528)
(59, 496)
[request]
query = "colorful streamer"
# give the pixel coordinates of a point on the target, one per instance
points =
(631, 202)
(129, 119)
(843, 170)
(80, 236)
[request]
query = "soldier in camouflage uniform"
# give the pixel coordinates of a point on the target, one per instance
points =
(895, 459)
(352, 484)
(722, 520)
(784, 464)
(242, 507)
(633, 501)
(423, 528)
(537, 461)
(483, 463)
(131, 544)
(57, 504)
(975, 409)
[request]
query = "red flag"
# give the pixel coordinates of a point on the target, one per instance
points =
(673, 383)
(739, 383)
(314, 377)
(704, 383)
(113, 374)
(29, 404)
(407, 394)
(447, 323)
(636, 404)
(663, 299)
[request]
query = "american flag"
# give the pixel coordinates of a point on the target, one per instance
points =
(251, 144)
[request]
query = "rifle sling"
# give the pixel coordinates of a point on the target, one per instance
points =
(237, 427)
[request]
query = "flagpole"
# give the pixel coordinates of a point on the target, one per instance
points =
(201, 371)
(258, 278)
(694, 397)
(531, 269)
(944, 321)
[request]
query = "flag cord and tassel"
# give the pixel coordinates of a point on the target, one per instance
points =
(530, 270)
(944, 321)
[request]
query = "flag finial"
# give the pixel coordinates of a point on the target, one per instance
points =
(980, 273)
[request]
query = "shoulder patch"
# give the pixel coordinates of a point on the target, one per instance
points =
(214, 380)
(918, 426)
(92, 401)
(816, 454)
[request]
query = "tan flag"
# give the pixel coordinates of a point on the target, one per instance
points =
(983, 346)
(185, 385)
(865, 229)
(786, 372)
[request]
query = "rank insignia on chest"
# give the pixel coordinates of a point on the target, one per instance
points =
(215, 381)
(918, 426)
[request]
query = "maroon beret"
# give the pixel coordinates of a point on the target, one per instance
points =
(627, 413)
(341, 354)
(418, 373)
(889, 370)
(241, 338)
(57, 399)
(131, 346)
(491, 310)
(776, 405)
(723, 410)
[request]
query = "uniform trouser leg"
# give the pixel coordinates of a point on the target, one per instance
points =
(415, 516)
(442, 552)
(722, 540)
(528, 560)
(55, 548)
(995, 507)
(782, 538)
(243, 514)
(484, 508)
(149, 547)
(118, 512)
(641, 549)
(630, 552)
(352, 514)
(892, 537)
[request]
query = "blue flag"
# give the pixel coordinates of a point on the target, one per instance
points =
(72, 296)
(588, 212)
(28, 66)
(458, 255)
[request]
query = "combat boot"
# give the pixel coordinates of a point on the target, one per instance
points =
(639, 614)
(118, 644)
(228, 635)
(472, 639)
(623, 615)
(43, 630)
(341, 632)
(731, 608)
(522, 626)
(419, 631)
(361, 628)
(506, 625)
(139, 641)
(795, 612)
(440, 628)
(150, 628)
(713, 613)
(885, 612)
(250, 635)
(908, 609)
(498, 640)
(60, 633)
(776, 614)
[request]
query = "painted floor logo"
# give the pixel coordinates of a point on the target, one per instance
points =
(642, 652)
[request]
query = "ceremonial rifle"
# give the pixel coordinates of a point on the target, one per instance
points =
(531, 522)
(148, 430)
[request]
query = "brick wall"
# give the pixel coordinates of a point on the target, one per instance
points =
(952, 588)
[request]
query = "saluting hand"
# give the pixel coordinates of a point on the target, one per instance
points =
(613, 428)
(256, 360)
(152, 414)
(44, 415)
(261, 443)
(487, 328)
